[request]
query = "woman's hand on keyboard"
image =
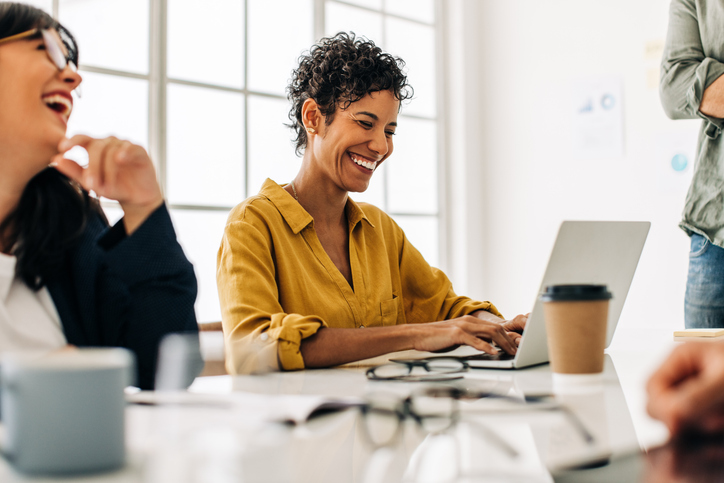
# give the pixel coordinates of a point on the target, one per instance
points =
(467, 330)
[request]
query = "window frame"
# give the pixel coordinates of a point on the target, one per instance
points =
(158, 82)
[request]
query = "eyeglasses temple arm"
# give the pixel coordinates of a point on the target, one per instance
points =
(19, 36)
(567, 412)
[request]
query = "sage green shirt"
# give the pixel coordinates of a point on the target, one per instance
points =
(693, 59)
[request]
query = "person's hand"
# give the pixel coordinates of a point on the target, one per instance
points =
(515, 327)
(467, 330)
(118, 170)
(687, 391)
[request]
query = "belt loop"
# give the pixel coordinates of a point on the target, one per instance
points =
(712, 130)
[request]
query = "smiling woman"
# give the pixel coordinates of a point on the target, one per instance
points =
(302, 265)
(66, 277)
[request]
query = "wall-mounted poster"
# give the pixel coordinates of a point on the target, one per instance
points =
(674, 156)
(597, 109)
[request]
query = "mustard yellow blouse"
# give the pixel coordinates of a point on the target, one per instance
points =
(278, 286)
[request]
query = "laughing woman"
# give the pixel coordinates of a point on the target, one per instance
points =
(302, 267)
(66, 277)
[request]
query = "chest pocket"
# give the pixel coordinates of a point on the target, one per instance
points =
(388, 311)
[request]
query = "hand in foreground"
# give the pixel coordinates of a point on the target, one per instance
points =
(687, 391)
(118, 170)
(477, 331)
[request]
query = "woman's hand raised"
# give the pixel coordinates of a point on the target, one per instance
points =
(118, 170)
(476, 330)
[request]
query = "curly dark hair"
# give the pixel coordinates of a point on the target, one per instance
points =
(338, 71)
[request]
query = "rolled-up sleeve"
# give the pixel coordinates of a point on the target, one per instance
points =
(259, 335)
(686, 70)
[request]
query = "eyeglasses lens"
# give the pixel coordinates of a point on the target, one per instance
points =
(381, 425)
(434, 413)
(390, 371)
(55, 50)
(445, 366)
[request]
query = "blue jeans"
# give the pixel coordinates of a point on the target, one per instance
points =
(704, 302)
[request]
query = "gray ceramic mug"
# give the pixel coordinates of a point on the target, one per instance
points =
(63, 413)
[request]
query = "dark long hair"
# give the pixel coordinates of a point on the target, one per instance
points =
(53, 210)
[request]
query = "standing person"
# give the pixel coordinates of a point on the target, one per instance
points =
(302, 268)
(692, 88)
(66, 277)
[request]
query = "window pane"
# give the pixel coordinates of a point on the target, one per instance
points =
(271, 151)
(110, 33)
(415, 44)
(206, 42)
(111, 106)
(422, 10)
(375, 4)
(205, 146)
(199, 233)
(375, 193)
(342, 18)
(45, 5)
(276, 41)
(422, 231)
(412, 168)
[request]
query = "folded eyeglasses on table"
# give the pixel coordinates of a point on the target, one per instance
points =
(436, 408)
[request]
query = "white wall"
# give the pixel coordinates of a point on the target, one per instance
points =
(517, 115)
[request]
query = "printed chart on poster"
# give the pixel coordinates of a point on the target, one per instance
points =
(597, 109)
(674, 156)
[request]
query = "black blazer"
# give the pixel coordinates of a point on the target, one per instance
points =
(126, 291)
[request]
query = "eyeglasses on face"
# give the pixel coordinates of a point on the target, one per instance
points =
(54, 47)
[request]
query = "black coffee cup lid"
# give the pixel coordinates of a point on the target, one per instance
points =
(570, 293)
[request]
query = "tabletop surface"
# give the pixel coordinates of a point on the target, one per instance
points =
(228, 428)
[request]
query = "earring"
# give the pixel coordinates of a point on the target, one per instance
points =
(311, 130)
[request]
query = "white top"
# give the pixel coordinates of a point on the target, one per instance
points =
(28, 319)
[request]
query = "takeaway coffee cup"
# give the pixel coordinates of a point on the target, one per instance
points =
(576, 318)
(63, 413)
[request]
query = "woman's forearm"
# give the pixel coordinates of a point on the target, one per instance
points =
(332, 347)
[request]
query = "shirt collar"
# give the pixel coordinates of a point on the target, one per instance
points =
(355, 214)
(297, 217)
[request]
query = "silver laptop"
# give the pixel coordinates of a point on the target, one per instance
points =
(586, 252)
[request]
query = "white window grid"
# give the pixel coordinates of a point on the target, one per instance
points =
(158, 80)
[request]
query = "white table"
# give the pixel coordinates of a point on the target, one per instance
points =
(231, 442)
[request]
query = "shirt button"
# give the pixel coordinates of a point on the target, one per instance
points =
(264, 336)
(361, 326)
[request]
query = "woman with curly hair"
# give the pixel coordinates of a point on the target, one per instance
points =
(302, 267)
(66, 277)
